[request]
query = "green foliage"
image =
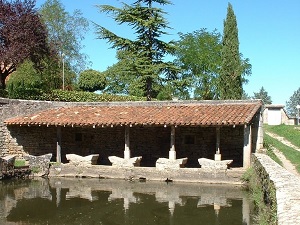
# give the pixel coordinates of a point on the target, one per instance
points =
(268, 146)
(245, 96)
(263, 95)
(3, 93)
(19, 163)
(266, 212)
(51, 73)
(23, 36)
(25, 82)
(291, 133)
(232, 67)
(35, 169)
(66, 31)
(291, 154)
(80, 96)
(91, 80)
(198, 56)
(292, 103)
(143, 57)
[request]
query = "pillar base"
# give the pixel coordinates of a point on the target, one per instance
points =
(126, 154)
(217, 157)
(120, 162)
(163, 163)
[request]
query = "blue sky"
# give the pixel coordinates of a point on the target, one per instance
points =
(269, 35)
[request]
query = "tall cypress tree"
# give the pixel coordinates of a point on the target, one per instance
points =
(144, 55)
(231, 68)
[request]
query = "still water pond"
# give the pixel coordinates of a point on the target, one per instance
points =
(112, 202)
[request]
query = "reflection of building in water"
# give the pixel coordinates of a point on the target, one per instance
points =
(126, 194)
(6, 206)
(170, 196)
(83, 192)
(34, 189)
(216, 201)
(219, 201)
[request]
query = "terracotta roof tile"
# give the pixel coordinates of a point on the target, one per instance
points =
(197, 114)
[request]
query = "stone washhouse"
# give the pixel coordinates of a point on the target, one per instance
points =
(161, 135)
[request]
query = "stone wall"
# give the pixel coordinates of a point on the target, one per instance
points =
(286, 184)
(10, 108)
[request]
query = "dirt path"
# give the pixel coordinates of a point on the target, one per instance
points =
(283, 140)
(286, 163)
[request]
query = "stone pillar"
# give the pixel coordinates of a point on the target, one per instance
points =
(127, 144)
(218, 153)
(260, 133)
(172, 152)
(247, 146)
(58, 145)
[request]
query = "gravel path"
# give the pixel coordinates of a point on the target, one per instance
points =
(286, 163)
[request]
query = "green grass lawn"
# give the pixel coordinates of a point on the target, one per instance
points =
(267, 145)
(292, 155)
(291, 133)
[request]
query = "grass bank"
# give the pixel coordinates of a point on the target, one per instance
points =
(291, 154)
(269, 149)
(265, 212)
(291, 133)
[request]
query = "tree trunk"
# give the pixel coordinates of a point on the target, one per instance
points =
(2, 78)
(149, 88)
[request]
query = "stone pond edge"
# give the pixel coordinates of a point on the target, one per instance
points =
(286, 185)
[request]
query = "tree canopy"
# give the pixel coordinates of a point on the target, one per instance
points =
(66, 31)
(231, 79)
(144, 55)
(22, 36)
(198, 54)
(263, 95)
(291, 104)
(91, 80)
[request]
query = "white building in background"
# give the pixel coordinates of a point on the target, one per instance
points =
(276, 115)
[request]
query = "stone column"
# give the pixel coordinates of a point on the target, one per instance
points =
(218, 153)
(172, 152)
(127, 144)
(247, 146)
(58, 145)
(260, 133)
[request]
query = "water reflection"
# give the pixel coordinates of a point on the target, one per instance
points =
(91, 201)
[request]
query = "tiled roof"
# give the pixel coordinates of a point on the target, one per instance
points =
(209, 113)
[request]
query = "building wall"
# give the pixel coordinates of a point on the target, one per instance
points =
(149, 142)
(276, 116)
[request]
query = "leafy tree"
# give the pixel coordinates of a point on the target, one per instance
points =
(91, 80)
(232, 68)
(26, 82)
(198, 55)
(144, 54)
(245, 96)
(66, 32)
(121, 79)
(291, 105)
(263, 95)
(22, 36)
